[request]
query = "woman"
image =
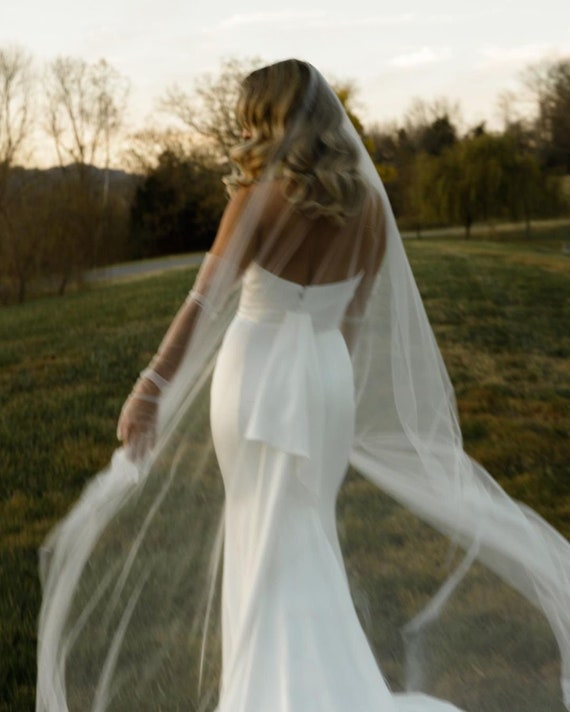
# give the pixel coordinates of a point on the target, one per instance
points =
(329, 359)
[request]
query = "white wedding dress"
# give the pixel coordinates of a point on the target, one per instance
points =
(131, 616)
(282, 416)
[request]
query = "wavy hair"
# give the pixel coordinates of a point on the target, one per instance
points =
(295, 123)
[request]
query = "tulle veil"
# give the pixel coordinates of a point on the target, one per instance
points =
(130, 616)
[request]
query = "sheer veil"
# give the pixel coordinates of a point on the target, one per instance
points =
(131, 616)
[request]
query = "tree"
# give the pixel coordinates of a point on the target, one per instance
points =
(17, 250)
(392, 155)
(432, 127)
(16, 85)
(177, 207)
(438, 136)
(549, 85)
(525, 189)
(21, 244)
(145, 147)
(402, 153)
(484, 177)
(346, 92)
(85, 105)
(209, 111)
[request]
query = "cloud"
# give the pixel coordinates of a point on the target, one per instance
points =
(492, 57)
(375, 21)
(425, 55)
(315, 19)
(271, 18)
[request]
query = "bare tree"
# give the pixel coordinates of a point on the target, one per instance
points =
(85, 107)
(548, 84)
(145, 147)
(210, 110)
(16, 86)
(507, 109)
(422, 116)
(15, 103)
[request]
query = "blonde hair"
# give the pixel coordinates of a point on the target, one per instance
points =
(296, 123)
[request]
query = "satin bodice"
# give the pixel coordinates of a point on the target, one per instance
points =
(292, 346)
(266, 297)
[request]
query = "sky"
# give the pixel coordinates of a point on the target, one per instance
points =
(394, 52)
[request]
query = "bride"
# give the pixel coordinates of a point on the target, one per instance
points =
(302, 348)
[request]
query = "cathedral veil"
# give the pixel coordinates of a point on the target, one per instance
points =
(131, 577)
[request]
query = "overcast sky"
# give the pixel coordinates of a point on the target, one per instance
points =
(394, 51)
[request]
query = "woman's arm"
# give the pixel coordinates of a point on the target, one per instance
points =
(217, 274)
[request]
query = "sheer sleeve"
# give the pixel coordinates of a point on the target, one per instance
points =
(220, 269)
(216, 278)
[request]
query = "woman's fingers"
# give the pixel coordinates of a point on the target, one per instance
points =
(139, 442)
(136, 427)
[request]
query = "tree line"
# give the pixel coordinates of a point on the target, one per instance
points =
(168, 195)
(437, 175)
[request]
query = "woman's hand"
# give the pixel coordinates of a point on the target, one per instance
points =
(137, 423)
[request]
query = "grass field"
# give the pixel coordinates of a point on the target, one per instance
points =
(500, 311)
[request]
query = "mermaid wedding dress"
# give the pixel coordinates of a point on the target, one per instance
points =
(282, 416)
(269, 397)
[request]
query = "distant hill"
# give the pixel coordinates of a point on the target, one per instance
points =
(118, 179)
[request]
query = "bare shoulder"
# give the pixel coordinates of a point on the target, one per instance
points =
(273, 193)
(237, 202)
(265, 197)
(233, 222)
(234, 209)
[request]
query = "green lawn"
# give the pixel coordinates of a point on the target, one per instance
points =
(500, 311)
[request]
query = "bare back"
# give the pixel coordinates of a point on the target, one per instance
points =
(316, 250)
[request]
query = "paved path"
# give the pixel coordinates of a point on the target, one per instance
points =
(485, 229)
(143, 267)
(147, 267)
